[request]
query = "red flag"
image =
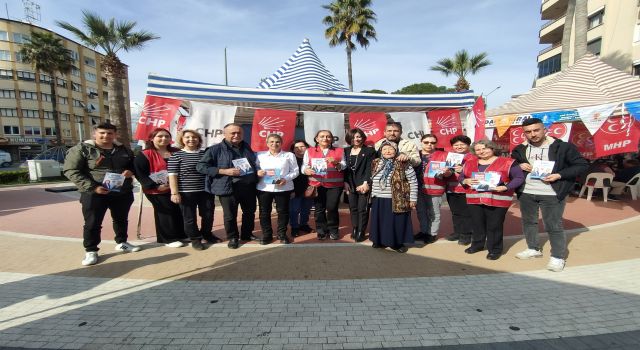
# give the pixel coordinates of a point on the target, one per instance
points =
(272, 121)
(504, 142)
(371, 123)
(560, 131)
(617, 135)
(445, 124)
(481, 118)
(158, 112)
(582, 139)
(516, 137)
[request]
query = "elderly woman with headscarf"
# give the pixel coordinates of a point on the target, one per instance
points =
(394, 189)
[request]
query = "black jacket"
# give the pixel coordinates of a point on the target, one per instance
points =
(220, 156)
(301, 182)
(362, 171)
(568, 163)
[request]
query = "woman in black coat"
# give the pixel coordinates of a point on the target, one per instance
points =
(357, 179)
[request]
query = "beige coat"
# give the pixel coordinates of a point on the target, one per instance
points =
(406, 147)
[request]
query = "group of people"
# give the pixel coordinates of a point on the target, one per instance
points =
(383, 184)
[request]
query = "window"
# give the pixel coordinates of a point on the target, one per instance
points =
(596, 19)
(89, 62)
(90, 77)
(79, 119)
(49, 131)
(21, 38)
(76, 87)
(4, 36)
(5, 55)
(105, 82)
(61, 82)
(19, 57)
(66, 132)
(78, 103)
(7, 94)
(105, 95)
(48, 115)
(24, 75)
(594, 46)
(31, 130)
(636, 33)
(8, 112)
(6, 74)
(45, 78)
(30, 113)
(46, 97)
(75, 71)
(63, 100)
(64, 116)
(636, 69)
(11, 130)
(549, 66)
(95, 121)
(28, 95)
(74, 55)
(92, 93)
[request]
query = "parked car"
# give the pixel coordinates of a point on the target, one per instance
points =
(5, 159)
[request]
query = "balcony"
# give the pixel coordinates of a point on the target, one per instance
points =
(550, 51)
(551, 9)
(551, 32)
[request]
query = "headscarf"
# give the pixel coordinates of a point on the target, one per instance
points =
(387, 164)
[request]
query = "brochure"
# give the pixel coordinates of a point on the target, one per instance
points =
(542, 168)
(113, 181)
(436, 168)
(272, 176)
(243, 165)
(488, 180)
(454, 159)
(161, 177)
(319, 166)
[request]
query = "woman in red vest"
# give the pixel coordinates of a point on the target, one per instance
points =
(456, 194)
(490, 182)
(432, 182)
(324, 164)
(151, 172)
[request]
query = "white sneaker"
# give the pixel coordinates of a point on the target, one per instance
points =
(90, 258)
(176, 244)
(126, 247)
(528, 254)
(555, 264)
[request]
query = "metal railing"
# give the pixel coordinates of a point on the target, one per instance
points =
(547, 49)
(551, 22)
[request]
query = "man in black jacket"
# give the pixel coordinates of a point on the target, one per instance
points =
(547, 194)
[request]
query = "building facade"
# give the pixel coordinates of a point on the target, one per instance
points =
(613, 34)
(26, 116)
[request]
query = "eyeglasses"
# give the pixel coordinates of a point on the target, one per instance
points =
(429, 143)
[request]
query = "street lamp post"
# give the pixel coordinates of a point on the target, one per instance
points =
(487, 95)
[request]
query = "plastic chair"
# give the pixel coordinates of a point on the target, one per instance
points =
(634, 186)
(597, 180)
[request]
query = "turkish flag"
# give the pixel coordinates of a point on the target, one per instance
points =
(371, 123)
(516, 137)
(272, 121)
(480, 118)
(445, 124)
(560, 131)
(582, 139)
(157, 112)
(617, 135)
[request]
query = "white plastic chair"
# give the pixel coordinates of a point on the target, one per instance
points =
(596, 180)
(634, 186)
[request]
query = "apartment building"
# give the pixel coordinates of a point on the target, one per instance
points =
(26, 117)
(613, 34)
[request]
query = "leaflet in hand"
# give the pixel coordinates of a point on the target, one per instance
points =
(436, 168)
(542, 169)
(113, 181)
(487, 181)
(454, 159)
(161, 177)
(243, 165)
(319, 166)
(272, 176)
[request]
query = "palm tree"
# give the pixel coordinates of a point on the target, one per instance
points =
(47, 54)
(582, 26)
(462, 65)
(112, 36)
(566, 34)
(349, 20)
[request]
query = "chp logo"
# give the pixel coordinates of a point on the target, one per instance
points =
(618, 125)
(558, 130)
(448, 124)
(271, 125)
(155, 114)
(368, 126)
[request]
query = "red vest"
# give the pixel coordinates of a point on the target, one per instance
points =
(453, 184)
(334, 177)
(434, 186)
(156, 163)
(494, 199)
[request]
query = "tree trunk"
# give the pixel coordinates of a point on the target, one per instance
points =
(54, 107)
(349, 69)
(582, 24)
(566, 35)
(117, 110)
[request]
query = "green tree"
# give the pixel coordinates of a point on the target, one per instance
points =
(47, 54)
(374, 91)
(461, 66)
(566, 34)
(422, 88)
(350, 20)
(112, 36)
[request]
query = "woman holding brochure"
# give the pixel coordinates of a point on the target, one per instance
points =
(456, 194)
(324, 164)
(490, 182)
(357, 179)
(151, 172)
(276, 170)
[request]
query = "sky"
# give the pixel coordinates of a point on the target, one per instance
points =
(260, 35)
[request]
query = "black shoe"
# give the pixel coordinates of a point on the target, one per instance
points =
(322, 236)
(419, 236)
(359, 236)
(212, 239)
(266, 240)
(353, 233)
(285, 240)
(613, 198)
(493, 256)
(430, 239)
(401, 249)
(233, 243)
(473, 250)
(464, 240)
(197, 245)
(295, 232)
(305, 228)
(334, 236)
(453, 237)
(250, 238)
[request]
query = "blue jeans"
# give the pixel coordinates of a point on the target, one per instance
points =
(299, 210)
(552, 210)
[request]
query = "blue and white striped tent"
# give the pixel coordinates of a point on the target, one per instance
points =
(303, 71)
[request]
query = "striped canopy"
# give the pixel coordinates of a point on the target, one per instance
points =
(588, 82)
(303, 71)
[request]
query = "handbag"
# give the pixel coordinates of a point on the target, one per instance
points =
(311, 192)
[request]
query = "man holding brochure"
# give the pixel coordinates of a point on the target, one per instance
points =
(102, 169)
(545, 193)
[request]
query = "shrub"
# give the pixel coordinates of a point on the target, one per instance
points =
(14, 177)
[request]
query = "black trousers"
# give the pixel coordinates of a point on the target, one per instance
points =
(167, 217)
(460, 213)
(193, 203)
(488, 224)
(327, 202)
(359, 209)
(245, 197)
(265, 199)
(94, 208)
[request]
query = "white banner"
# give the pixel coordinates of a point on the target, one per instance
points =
(414, 125)
(470, 123)
(488, 133)
(209, 119)
(316, 121)
(593, 117)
